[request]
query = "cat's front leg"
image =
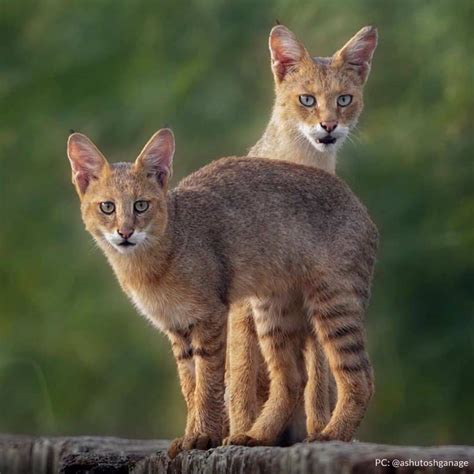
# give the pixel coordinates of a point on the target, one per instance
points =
(183, 353)
(208, 340)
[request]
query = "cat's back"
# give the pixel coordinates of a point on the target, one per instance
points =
(271, 204)
(246, 172)
(243, 179)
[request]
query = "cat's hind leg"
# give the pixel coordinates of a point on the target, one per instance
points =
(336, 310)
(277, 331)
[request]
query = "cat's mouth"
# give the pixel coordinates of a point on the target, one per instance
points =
(126, 243)
(327, 140)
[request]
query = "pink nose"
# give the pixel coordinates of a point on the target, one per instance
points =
(329, 125)
(125, 232)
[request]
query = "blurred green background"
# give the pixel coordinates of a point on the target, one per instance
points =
(75, 357)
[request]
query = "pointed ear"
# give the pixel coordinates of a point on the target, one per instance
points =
(87, 162)
(357, 53)
(156, 158)
(286, 52)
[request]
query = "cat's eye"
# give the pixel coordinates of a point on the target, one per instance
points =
(344, 100)
(141, 206)
(307, 100)
(107, 207)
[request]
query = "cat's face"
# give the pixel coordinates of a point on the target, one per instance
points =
(319, 100)
(123, 205)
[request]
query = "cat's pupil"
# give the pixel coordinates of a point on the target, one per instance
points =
(344, 100)
(107, 207)
(141, 206)
(307, 100)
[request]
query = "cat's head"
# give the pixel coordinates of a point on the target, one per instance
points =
(320, 99)
(123, 205)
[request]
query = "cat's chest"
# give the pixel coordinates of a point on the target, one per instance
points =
(166, 308)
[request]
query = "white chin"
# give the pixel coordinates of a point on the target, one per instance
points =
(125, 248)
(324, 147)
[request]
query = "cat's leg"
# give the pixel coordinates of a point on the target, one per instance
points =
(295, 432)
(245, 361)
(320, 389)
(317, 392)
(336, 309)
(209, 346)
(332, 390)
(277, 331)
(183, 353)
(263, 382)
(226, 414)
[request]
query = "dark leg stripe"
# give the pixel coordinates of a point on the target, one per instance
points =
(327, 296)
(186, 354)
(352, 348)
(341, 332)
(279, 345)
(356, 367)
(183, 333)
(341, 309)
(201, 352)
(321, 288)
(362, 274)
(339, 313)
(362, 292)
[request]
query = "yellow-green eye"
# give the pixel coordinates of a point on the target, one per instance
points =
(141, 206)
(344, 100)
(107, 207)
(307, 100)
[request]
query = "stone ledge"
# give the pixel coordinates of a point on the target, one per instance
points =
(43, 455)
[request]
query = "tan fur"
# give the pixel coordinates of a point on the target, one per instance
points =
(326, 79)
(239, 228)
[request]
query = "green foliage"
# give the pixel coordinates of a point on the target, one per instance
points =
(74, 356)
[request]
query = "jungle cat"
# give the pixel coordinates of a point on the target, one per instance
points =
(317, 102)
(239, 228)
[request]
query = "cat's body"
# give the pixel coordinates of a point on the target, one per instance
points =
(293, 134)
(238, 228)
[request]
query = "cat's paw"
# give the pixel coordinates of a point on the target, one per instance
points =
(175, 447)
(326, 436)
(315, 438)
(242, 440)
(197, 441)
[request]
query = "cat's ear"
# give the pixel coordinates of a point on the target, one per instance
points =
(156, 158)
(357, 53)
(287, 53)
(87, 162)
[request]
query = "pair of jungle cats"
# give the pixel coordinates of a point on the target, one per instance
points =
(285, 249)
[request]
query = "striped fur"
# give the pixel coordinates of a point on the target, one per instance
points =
(283, 140)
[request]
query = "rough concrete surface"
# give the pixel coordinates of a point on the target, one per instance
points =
(41, 455)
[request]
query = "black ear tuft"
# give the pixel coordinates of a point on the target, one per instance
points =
(277, 21)
(166, 125)
(71, 131)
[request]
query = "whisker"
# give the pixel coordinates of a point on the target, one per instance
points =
(350, 138)
(353, 137)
